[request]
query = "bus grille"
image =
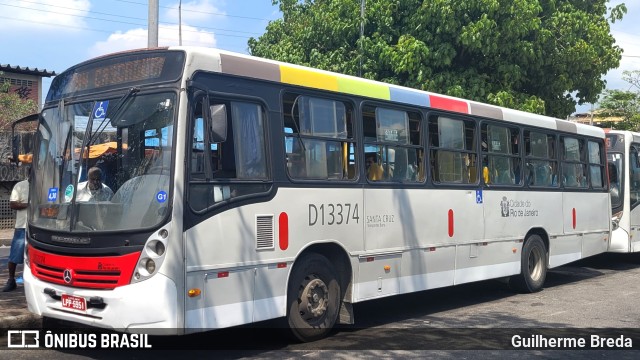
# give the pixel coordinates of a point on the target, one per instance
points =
(264, 232)
(106, 272)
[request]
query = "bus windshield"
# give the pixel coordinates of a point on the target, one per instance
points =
(104, 165)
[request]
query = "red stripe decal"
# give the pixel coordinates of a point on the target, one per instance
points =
(450, 223)
(283, 231)
(574, 218)
(448, 104)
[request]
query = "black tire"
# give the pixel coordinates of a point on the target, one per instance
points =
(533, 266)
(313, 298)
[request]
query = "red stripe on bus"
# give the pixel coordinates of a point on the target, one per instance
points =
(450, 223)
(574, 217)
(283, 231)
(99, 272)
(448, 104)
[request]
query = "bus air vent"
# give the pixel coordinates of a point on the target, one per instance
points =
(264, 232)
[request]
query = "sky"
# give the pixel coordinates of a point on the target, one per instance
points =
(56, 34)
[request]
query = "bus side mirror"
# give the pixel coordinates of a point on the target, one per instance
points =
(15, 146)
(218, 124)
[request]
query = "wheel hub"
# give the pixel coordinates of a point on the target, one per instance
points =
(313, 298)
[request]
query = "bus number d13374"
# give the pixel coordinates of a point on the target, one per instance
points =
(333, 214)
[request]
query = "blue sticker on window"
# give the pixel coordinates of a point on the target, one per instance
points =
(53, 195)
(100, 109)
(161, 196)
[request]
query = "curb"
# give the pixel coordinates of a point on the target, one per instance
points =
(28, 321)
(5, 242)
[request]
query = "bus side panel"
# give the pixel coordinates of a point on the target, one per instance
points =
(241, 274)
(428, 268)
(633, 244)
(420, 218)
(594, 222)
(423, 226)
(509, 215)
(585, 224)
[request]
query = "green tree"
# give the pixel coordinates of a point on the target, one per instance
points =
(623, 103)
(12, 107)
(525, 54)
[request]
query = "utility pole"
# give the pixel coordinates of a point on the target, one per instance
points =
(153, 24)
(361, 35)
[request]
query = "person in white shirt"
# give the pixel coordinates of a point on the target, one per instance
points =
(93, 189)
(18, 201)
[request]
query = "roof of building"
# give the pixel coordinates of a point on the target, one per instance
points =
(26, 70)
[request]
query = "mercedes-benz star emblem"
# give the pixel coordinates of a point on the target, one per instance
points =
(66, 276)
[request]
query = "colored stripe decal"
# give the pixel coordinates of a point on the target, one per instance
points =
(449, 104)
(409, 97)
(450, 223)
(574, 218)
(364, 88)
(283, 231)
(486, 111)
(248, 67)
(303, 77)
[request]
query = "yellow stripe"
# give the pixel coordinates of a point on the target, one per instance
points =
(303, 77)
(359, 87)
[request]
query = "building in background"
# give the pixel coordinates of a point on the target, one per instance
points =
(27, 83)
(594, 118)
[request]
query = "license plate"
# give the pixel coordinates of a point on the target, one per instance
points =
(74, 302)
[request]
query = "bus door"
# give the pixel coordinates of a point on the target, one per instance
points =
(634, 197)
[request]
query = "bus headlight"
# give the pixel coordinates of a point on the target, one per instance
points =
(152, 255)
(150, 266)
(159, 248)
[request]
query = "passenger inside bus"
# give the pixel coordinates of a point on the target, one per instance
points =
(375, 171)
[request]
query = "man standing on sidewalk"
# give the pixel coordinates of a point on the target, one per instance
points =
(19, 202)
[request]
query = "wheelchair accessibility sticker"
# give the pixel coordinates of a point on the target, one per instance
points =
(100, 110)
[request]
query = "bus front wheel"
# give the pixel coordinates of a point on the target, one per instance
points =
(313, 298)
(533, 266)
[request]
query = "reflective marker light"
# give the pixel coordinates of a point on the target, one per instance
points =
(193, 292)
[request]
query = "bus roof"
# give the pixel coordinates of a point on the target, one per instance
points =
(201, 58)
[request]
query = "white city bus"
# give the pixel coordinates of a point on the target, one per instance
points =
(247, 189)
(622, 151)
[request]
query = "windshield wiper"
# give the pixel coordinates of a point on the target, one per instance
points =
(111, 114)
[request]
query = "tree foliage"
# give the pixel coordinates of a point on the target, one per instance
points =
(525, 54)
(623, 103)
(12, 107)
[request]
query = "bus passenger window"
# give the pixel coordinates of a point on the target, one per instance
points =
(453, 157)
(501, 159)
(233, 167)
(392, 143)
(318, 138)
(574, 173)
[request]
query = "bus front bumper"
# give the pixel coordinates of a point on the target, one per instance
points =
(149, 306)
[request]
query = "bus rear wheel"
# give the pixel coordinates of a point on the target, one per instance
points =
(313, 298)
(533, 266)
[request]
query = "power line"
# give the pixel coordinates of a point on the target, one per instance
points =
(95, 30)
(122, 22)
(197, 11)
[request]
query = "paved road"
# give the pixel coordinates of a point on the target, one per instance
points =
(598, 296)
